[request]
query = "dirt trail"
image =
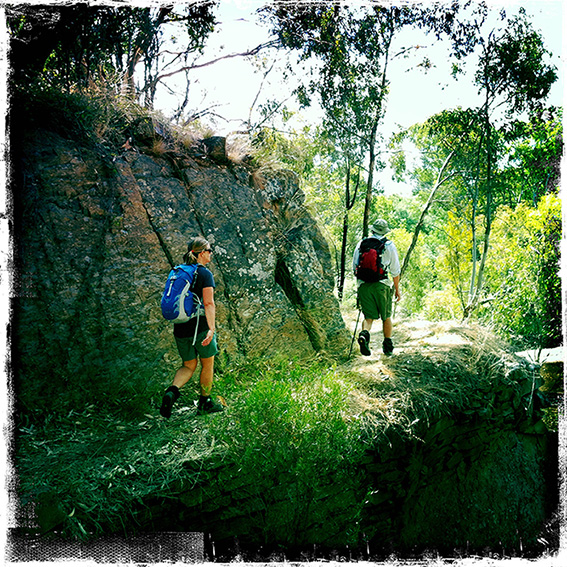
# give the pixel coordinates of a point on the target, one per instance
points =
(407, 335)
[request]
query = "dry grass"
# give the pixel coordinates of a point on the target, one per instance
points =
(238, 148)
(436, 369)
(193, 133)
(159, 148)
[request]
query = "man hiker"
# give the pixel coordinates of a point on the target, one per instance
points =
(375, 257)
(196, 339)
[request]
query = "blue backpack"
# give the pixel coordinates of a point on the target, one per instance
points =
(178, 303)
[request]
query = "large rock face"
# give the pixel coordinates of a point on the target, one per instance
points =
(96, 235)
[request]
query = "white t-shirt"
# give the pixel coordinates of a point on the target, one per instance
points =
(390, 261)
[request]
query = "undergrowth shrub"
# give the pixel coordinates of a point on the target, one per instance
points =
(524, 277)
(441, 305)
(420, 272)
(68, 114)
(292, 426)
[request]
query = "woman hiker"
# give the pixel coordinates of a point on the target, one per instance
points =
(205, 345)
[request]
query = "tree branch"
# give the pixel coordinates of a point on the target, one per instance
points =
(267, 72)
(253, 51)
(438, 183)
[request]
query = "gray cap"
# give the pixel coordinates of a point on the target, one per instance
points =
(380, 227)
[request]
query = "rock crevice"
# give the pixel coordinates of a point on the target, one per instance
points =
(98, 269)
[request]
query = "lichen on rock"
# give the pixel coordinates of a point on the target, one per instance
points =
(97, 234)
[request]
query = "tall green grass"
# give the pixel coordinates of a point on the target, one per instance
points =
(98, 466)
(292, 425)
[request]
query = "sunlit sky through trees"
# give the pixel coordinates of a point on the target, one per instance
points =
(229, 88)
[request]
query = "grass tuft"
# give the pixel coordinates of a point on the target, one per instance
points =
(238, 149)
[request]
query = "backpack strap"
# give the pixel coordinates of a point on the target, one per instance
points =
(196, 297)
(200, 308)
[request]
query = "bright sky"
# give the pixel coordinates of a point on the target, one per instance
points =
(234, 83)
(414, 96)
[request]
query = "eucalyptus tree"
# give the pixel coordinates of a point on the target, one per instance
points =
(345, 157)
(71, 45)
(354, 46)
(443, 178)
(534, 149)
(512, 75)
(469, 146)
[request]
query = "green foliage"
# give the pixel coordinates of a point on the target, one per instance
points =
(513, 66)
(533, 154)
(355, 50)
(68, 115)
(75, 46)
(524, 277)
(529, 153)
(548, 236)
(441, 305)
(292, 425)
(512, 71)
(420, 275)
(294, 152)
(287, 423)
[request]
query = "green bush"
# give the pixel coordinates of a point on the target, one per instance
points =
(441, 305)
(419, 275)
(523, 276)
(67, 114)
(292, 425)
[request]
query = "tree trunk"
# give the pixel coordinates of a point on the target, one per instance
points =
(372, 148)
(473, 222)
(349, 204)
(417, 230)
(342, 269)
(370, 182)
(474, 301)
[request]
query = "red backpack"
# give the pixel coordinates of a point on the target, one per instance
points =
(370, 268)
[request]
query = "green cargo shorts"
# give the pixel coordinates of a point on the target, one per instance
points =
(188, 351)
(375, 300)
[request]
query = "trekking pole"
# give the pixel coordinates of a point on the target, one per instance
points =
(354, 334)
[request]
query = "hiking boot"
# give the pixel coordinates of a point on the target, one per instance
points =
(209, 406)
(363, 341)
(388, 346)
(169, 398)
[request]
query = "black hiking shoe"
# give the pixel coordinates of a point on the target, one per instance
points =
(363, 341)
(209, 406)
(169, 398)
(388, 346)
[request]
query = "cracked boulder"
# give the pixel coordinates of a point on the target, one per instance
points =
(97, 233)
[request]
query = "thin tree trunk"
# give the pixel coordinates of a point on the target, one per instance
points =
(342, 271)
(371, 164)
(349, 203)
(473, 220)
(438, 183)
(474, 301)
(372, 143)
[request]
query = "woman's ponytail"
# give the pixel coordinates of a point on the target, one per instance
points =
(196, 246)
